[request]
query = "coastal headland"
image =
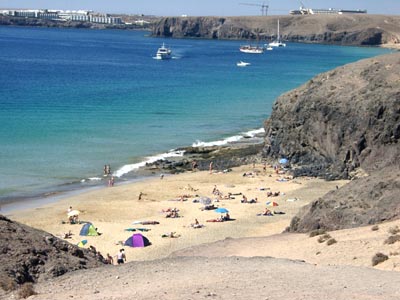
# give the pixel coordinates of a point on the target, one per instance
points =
(347, 29)
(360, 30)
(338, 203)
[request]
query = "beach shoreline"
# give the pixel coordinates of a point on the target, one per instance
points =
(114, 210)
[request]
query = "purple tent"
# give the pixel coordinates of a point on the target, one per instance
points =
(137, 240)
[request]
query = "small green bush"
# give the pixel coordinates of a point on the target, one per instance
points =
(392, 239)
(375, 228)
(26, 290)
(331, 242)
(379, 258)
(317, 232)
(324, 238)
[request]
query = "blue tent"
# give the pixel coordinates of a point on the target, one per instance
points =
(88, 229)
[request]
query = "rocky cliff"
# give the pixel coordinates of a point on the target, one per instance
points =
(333, 29)
(340, 120)
(29, 255)
(334, 126)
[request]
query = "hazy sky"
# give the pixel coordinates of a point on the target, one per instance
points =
(203, 7)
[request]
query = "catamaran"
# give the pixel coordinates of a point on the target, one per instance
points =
(277, 42)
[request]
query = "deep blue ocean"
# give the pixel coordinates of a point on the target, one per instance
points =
(74, 100)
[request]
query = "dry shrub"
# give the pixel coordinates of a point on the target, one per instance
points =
(375, 228)
(392, 239)
(379, 258)
(324, 238)
(26, 290)
(394, 230)
(7, 284)
(317, 232)
(331, 242)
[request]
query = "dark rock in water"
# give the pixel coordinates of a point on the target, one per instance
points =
(30, 255)
(340, 120)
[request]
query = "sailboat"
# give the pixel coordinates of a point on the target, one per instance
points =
(277, 42)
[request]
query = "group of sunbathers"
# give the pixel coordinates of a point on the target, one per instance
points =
(273, 194)
(222, 218)
(171, 213)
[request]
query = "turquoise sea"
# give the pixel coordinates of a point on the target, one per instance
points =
(74, 100)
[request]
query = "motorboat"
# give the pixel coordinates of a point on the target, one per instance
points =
(163, 52)
(251, 49)
(277, 42)
(268, 48)
(243, 64)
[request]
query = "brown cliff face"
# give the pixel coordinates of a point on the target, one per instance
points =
(336, 123)
(30, 255)
(340, 120)
(330, 29)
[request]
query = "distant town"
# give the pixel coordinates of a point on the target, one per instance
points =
(78, 16)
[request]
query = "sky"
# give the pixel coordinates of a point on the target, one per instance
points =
(203, 7)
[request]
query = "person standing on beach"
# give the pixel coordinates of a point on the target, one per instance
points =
(121, 258)
(211, 167)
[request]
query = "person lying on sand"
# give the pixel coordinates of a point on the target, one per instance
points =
(171, 235)
(209, 207)
(266, 212)
(220, 219)
(244, 199)
(172, 214)
(273, 194)
(67, 235)
(169, 209)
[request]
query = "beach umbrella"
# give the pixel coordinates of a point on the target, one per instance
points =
(271, 203)
(205, 200)
(82, 243)
(283, 161)
(73, 213)
(221, 210)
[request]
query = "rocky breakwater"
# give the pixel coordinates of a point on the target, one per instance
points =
(341, 124)
(31, 255)
(329, 29)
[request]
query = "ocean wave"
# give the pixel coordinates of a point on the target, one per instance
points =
(231, 139)
(151, 159)
(178, 153)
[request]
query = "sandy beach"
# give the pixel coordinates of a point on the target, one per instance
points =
(246, 257)
(114, 209)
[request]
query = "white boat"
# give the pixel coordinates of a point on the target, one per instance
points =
(243, 64)
(163, 52)
(277, 42)
(251, 49)
(268, 48)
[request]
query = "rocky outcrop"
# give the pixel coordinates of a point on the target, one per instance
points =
(330, 29)
(334, 126)
(30, 255)
(365, 201)
(340, 120)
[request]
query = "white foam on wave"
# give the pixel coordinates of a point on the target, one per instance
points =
(228, 140)
(175, 153)
(151, 159)
(91, 179)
